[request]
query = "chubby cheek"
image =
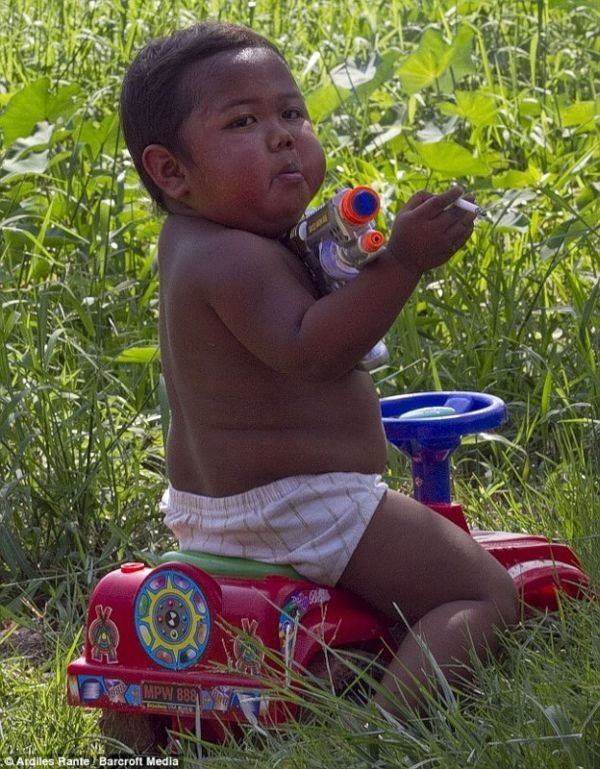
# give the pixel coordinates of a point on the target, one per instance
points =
(241, 201)
(236, 181)
(315, 172)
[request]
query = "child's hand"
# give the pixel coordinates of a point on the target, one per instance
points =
(428, 230)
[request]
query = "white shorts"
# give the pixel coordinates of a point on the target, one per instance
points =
(312, 522)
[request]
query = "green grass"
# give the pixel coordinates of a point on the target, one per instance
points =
(502, 98)
(540, 707)
(34, 718)
(525, 714)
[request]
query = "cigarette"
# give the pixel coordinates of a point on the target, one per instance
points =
(466, 205)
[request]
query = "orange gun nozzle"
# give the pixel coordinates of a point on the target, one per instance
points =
(372, 241)
(359, 205)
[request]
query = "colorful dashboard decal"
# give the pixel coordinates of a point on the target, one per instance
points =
(172, 620)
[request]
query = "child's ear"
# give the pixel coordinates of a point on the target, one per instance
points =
(165, 170)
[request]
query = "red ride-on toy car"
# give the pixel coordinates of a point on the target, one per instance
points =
(199, 642)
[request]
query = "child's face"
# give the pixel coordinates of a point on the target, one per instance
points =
(252, 159)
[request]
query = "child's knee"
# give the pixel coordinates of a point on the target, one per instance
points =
(505, 599)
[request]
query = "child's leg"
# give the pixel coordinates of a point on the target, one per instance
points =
(451, 591)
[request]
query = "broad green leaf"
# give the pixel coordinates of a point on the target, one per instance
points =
(461, 53)
(529, 107)
(434, 57)
(461, 62)
(583, 114)
(64, 102)
(450, 158)
(517, 179)
(587, 195)
(26, 108)
(348, 80)
(325, 100)
(478, 107)
(141, 354)
(97, 136)
(34, 104)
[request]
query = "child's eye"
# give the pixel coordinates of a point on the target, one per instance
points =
(293, 113)
(242, 122)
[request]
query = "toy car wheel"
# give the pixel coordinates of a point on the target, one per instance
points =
(144, 735)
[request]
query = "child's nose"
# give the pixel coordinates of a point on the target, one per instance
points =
(280, 137)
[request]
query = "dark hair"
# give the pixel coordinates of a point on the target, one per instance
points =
(155, 98)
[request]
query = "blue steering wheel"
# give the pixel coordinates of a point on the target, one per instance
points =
(439, 419)
(427, 427)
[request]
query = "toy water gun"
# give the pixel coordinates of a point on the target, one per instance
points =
(335, 241)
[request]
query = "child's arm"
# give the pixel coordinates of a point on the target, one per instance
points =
(335, 241)
(253, 286)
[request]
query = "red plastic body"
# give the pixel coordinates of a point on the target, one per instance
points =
(231, 679)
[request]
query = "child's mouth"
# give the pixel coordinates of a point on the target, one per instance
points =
(290, 174)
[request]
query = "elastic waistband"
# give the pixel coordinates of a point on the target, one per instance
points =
(185, 501)
(259, 496)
